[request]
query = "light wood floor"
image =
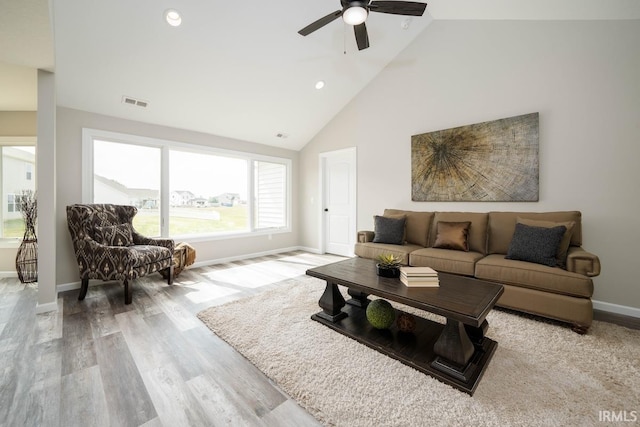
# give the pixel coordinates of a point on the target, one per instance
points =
(99, 362)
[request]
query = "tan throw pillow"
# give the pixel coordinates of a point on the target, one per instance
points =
(452, 235)
(563, 248)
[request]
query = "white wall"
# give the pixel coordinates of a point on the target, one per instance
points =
(583, 79)
(69, 136)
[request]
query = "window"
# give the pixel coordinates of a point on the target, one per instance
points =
(208, 193)
(12, 205)
(187, 190)
(126, 174)
(270, 194)
(15, 160)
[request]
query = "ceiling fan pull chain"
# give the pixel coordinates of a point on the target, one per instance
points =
(344, 39)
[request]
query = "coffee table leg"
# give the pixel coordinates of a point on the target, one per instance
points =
(454, 350)
(358, 299)
(331, 303)
(477, 334)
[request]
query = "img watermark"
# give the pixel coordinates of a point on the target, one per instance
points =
(607, 416)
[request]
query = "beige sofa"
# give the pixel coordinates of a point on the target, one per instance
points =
(559, 293)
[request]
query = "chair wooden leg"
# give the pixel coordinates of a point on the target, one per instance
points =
(128, 292)
(170, 278)
(83, 289)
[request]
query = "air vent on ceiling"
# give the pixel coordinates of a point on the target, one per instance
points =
(132, 101)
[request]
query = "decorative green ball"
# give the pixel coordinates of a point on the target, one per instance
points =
(380, 314)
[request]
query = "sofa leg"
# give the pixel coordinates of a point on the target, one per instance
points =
(170, 278)
(128, 292)
(579, 329)
(83, 289)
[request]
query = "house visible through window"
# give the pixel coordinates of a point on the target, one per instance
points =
(17, 167)
(208, 193)
(187, 190)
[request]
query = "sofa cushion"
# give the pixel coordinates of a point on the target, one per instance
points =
(452, 235)
(536, 244)
(371, 250)
(388, 230)
(561, 254)
(497, 268)
(502, 225)
(114, 235)
(477, 231)
(417, 225)
(445, 260)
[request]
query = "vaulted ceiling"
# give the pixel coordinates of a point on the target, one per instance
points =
(235, 69)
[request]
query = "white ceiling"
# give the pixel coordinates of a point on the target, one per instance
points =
(235, 69)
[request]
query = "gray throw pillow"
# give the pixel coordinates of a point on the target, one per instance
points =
(536, 244)
(388, 230)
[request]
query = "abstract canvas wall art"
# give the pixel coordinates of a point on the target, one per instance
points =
(494, 161)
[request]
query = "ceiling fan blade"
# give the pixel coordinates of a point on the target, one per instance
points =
(410, 8)
(362, 37)
(320, 23)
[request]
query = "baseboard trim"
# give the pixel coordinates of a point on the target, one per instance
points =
(616, 308)
(47, 307)
(8, 274)
(68, 286)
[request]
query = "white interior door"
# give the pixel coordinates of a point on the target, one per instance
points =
(339, 201)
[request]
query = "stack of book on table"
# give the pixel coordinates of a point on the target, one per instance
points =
(419, 276)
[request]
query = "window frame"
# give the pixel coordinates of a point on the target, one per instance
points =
(89, 135)
(14, 141)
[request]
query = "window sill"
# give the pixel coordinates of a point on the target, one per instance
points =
(10, 243)
(229, 236)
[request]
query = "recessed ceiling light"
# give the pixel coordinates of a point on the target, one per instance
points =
(319, 84)
(172, 17)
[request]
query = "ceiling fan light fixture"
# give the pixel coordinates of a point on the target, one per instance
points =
(173, 17)
(355, 15)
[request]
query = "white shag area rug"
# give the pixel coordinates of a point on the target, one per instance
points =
(541, 373)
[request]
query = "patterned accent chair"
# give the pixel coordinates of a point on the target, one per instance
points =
(107, 246)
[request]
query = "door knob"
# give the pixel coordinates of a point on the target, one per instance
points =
(326, 210)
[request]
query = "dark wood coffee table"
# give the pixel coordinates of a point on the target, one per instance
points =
(456, 353)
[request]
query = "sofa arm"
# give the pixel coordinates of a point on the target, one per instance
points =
(365, 236)
(583, 262)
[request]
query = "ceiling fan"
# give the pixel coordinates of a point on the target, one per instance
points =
(355, 12)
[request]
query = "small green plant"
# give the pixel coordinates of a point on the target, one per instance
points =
(389, 261)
